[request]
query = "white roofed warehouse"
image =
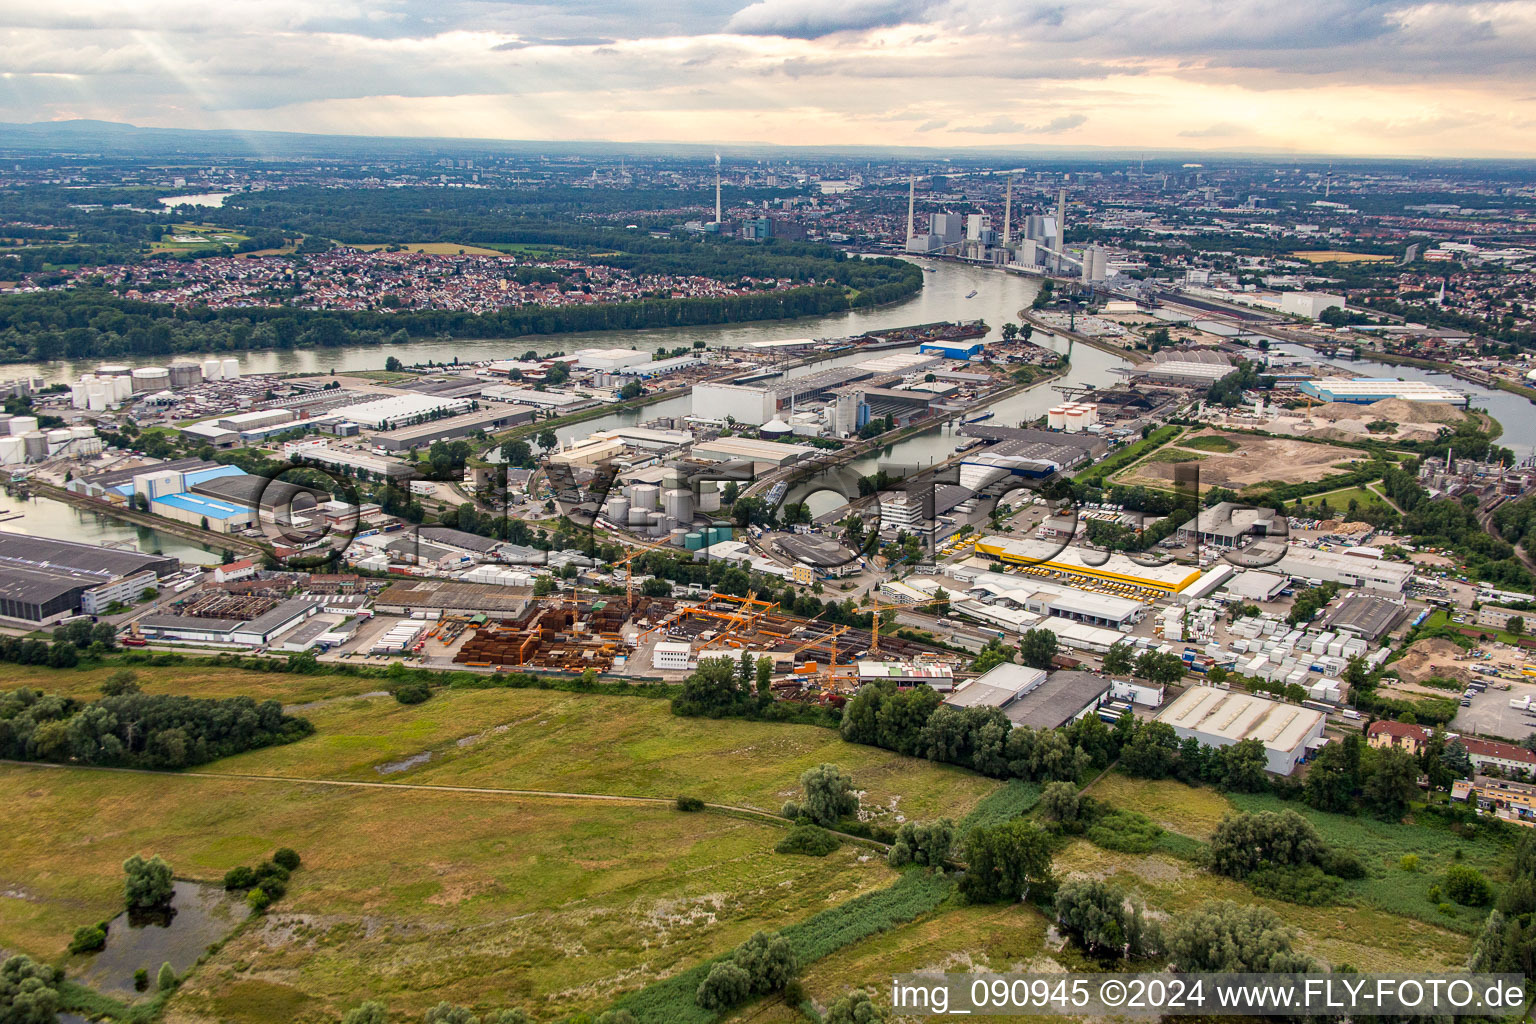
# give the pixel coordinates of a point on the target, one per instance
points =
(1221, 718)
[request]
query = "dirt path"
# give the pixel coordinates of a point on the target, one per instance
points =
(535, 794)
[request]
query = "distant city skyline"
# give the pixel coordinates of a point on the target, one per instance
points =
(1349, 77)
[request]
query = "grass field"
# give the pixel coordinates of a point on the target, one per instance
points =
(1210, 443)
(1339, 256)
(434, 248)
(542, 739)
(201, 237)
(1177, 454)
(1368, 938)
(1339, 500)
(412, 897)
(191, 680)
(1189, 810)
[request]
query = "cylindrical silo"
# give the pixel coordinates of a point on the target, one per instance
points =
(78, 394)
(149, 379)
(5, 423)
(36, 445)
(113, 370)
(231, 369)
(709, 496)
(81, 432)
(184, 375)
(1056, 418)
(1075, 420)
(694, 540)
(23, 424)
(638, 517)
(58, 440)
(13, 450)
(679, 538)
(618, 509)
(212, 369)
(679, 505)
(122, 389)
(644, 496)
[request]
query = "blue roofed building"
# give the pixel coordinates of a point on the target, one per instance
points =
(951, 349)
(202, 511)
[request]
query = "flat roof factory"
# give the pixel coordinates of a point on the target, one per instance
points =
(1048, 557)
(1221, 718)
(1365, 390)
(42, 580)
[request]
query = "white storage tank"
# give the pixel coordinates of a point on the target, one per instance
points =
(212, 369)
(679, 537)
(37, 445)
(639, 517)
(644, 496)
(1056, 418)
(679, 505)
(13, 450)
(58, 440)
(79, 394)
(22, 425)
(618, 509)
(1075, 421)
(230, 369)
(82, 432)
(113, 370)
(122, 389)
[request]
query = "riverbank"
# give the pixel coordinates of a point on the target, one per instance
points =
(225, 542)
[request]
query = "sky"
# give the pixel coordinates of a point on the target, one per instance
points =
(1363, 77)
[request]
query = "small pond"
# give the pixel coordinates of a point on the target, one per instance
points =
(199, 916)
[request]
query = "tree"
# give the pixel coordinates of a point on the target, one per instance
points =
(724, 987)
(166, 979)
(765, 676)
(854, 1008)
(1243, 767)
(446, 1013)
(148, 884)
(393, 365)
(1152, 751)
(1457, 761)
(1515, 625)
(730, 492)
(1060, 801)
(926, 844)
(547, 439)
(29, 991)
(992, 655)
(940, 602)
(1332, 780)
(768, 960)
(1037, 647)
(366, 1013)
(543, 585)
(614, 1016)
(1005, 861)
(1244, 843)
(1227, 938)
(121, 682)
(1392, 786)
(1117, 660)
(517, 453)
(1159, 667)
(631, 390)
(1100, 916)
(829, 794)
(287, 858)
(1467, 886)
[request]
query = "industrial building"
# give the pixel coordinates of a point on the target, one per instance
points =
(401, 410)
(719, 403)
(272, 500)
(1064, 602)
(1309, 304)
(1221, 718)
(1228, 525)
(1369, 616)
(774, 453)
(1069, 562)
(204, 512)
(1344, 568)
(425, 432)
(1031, 697)
(443, 597)
(350, 460)
(43, 580)
(1365, 390)
(252, 632)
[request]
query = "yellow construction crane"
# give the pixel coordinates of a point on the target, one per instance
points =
(629, 576)
(876, 608)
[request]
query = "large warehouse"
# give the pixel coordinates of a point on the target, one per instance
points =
(1051, 558)
(1365, 390)
(44, 580)
(1221, 718)
(1345, 569)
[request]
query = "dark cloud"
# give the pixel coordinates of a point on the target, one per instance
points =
(813, 19)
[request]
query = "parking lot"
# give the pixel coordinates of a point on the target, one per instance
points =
(1490, 714)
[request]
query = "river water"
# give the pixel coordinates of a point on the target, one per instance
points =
(998, 299)
(46, 517)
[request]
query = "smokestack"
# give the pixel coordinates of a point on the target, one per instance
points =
(1061, 225)
(1008, 211)
(911, 205)
(718, 219)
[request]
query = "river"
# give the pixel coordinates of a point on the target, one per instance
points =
(998, 299)
(47, 517)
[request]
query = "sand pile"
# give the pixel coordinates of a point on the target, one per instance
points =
(1394, 409)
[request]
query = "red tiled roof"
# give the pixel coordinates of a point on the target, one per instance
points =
(1492, 748)
(1403, 729)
